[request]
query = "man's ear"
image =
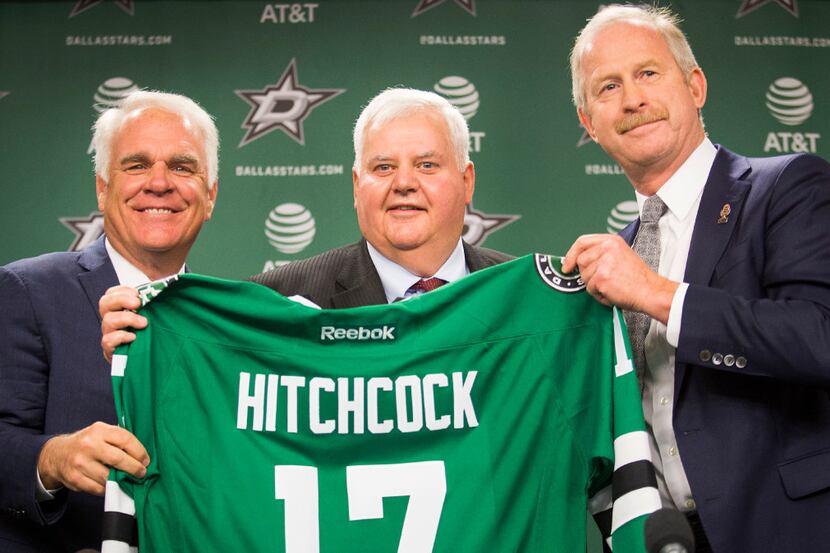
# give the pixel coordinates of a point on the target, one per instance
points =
(697, 86)
(355, 184)
(100, 191)
(469, 182)
(586, 122)
(212, 192)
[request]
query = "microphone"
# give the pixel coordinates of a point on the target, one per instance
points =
(668, 531)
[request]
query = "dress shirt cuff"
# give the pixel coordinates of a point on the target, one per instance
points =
(676, 314)
(41, 493)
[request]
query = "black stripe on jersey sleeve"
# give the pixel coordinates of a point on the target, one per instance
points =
(603, 520)
(633, 476)
(119, 527)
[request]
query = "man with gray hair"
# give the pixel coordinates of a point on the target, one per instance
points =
(412, 179)
(156, 166)
(727, 289)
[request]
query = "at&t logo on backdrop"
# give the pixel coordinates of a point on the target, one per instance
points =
(462, 94)
(288, 13)
(622, 215)
(790, 103)
(290, 228)
(109, 94)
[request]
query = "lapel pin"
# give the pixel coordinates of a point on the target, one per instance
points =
(724, 214)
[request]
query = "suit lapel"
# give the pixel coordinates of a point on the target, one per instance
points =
(630, 232)
(474, 260)
(98, 273)
(724, 187)
(359, 280)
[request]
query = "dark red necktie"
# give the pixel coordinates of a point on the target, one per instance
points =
(426, 285)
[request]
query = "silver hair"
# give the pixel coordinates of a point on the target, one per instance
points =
(194, 116)
(394, 103)
(661, 20)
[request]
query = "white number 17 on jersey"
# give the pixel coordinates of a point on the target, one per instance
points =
(366, 486)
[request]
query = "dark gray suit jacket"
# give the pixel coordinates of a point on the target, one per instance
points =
(346, 277)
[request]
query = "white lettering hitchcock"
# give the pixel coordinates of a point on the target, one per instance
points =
(357, 402)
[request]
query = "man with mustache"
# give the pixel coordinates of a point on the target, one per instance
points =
(729, 307)
(156, 166)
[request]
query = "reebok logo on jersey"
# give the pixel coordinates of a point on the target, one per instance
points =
(360, 333)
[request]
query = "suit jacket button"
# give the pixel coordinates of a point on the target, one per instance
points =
(729, 360)
(740, 362)
(717, 358)
(705, 355)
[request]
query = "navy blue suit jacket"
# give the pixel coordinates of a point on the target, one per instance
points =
(755, 439)
(53, 380)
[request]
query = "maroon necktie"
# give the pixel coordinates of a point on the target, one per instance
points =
(426, 285)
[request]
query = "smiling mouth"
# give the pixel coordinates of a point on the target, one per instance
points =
(158, 210)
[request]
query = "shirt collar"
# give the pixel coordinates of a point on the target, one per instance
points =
(127, 273)
(396, 280)
(684, 187)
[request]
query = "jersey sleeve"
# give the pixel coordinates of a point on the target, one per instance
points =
(119, 532)
(134, 395)
(622, 508)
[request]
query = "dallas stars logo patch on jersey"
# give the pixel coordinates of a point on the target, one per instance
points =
(546, 266)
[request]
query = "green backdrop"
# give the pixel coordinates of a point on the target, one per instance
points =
(286, 81)
(505, 61)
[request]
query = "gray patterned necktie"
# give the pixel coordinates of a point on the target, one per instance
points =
(647, 246)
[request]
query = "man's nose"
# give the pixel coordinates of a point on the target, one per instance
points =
(159, 180)
(406, 180)
(634, 97)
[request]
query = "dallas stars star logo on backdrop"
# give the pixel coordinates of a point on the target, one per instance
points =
(750, 5)
(282, 106)
(584, 139)
(424, 5)
(479, 225)
(86, 229)
(84, 5)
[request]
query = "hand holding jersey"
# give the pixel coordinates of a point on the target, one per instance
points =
(615, 275)
(81, 461)
(117, 308)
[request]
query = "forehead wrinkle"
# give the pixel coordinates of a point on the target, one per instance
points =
(380, 157)
(137, 156)
(598, 76)
(428, 153)
(183, 158)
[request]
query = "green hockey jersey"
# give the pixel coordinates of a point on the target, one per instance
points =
(482, 416)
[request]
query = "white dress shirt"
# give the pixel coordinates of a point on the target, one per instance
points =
(396, 280)
(681, 193)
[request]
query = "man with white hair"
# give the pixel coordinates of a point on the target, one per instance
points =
(727, 289)
(156, 166)
(412, 180)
